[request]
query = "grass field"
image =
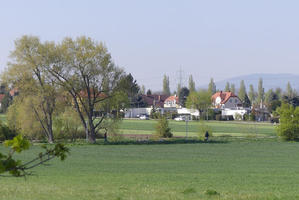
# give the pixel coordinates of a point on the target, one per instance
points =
(240, 129)
(236, 169)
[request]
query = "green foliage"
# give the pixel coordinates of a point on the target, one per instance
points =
(110, 127)
(251, 94)
(261, 92)
(67, 125)
(212, 87)
(202, 129)
(166, 88)
(242, 91)
(162, 128)
(189, 191)
(238, 116)
(19, 144)
(211, 192)
(233, 88)
(200, 100)
(22, 118)
(6, 132)
(6, 102)
(191, 84)
(227, 87)
(288, 127)
(184, 93)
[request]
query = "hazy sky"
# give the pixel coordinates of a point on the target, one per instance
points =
(208, 38)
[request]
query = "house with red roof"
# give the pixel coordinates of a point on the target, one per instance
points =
(224, 100)
(172, 102)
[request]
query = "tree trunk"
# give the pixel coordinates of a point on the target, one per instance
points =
(50, 130)
(92, 134)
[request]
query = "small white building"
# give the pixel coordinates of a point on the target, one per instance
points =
(136, 112)
(235, 112)
(187, 111)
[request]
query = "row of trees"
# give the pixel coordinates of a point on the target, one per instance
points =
(76, 75)
(271, 99)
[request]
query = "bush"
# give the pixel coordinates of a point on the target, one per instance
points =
(22, 118)
(210, 192)
(245, 117)
(67, 124)
(218, 117)
(162, 128)
(288, 127)
(252, 117)
(238, 116)
(203, 128)
(6, 133)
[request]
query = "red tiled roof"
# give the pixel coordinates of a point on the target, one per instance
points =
(224, 96)
(171, 98)
(156, 99)
(13, 92)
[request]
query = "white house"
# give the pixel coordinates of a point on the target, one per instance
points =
(235, 112)
(136, 112)
(172, 102)
(189, 112)
(223, 100)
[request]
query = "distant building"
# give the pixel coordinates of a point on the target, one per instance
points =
(172, 102)
(154, 100)
(224, 100)
(146, 104)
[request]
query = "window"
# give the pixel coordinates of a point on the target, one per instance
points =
(230, 101)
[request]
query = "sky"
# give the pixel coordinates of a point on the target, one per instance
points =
(203, 38)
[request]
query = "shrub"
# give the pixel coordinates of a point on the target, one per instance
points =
(6, 133)
(288, 127)
(21, 117)
(245, 117)
(189, 191)
(203, 128)
(238, 116)
(218, 117)
(210, 192)
(162, 128)
(67, 124)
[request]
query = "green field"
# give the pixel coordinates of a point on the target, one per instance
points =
(236, 169)
(240, 129)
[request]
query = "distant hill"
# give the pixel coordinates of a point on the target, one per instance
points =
(269, 81)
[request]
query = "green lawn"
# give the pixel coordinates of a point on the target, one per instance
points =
(219, 128)
(236, 169)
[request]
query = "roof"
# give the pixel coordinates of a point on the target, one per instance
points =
(156, 99)
(14, 92)
(224, 96)
(172, 98)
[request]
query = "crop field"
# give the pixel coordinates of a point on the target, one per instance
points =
(237, 129)
(232, 169)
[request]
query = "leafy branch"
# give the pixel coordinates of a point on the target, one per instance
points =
(19, 144)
